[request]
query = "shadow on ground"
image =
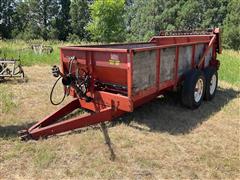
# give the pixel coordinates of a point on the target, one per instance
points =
(164, 114)
(12, 130)
(14, 80)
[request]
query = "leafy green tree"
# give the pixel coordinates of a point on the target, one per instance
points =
(145, 18)
(169, 15)
(190, 15)
(21, 19)
(194, 14)
(43, 13)
(214, 12)
(61, 26)
(80, 16)
(232, 26)
(107, 23)
(111, 20)
(7, 10)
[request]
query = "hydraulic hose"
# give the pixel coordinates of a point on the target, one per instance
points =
(64, 95)
(68, 80)
(51, 94)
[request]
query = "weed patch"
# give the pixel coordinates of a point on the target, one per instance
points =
(43, 157)
(230, 66)
(7, 100)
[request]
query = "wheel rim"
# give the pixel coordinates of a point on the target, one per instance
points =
(198, 93)
(213, 84)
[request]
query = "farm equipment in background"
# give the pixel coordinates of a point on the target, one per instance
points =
(11, 68)
(41, 49)
(110, 80)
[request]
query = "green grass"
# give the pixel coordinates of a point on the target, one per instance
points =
(14, 48)
(6, 100)
(43, 157)
(18, 48)
(230, 66)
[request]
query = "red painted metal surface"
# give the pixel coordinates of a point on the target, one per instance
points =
(113, 64)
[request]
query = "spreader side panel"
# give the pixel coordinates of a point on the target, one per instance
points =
(185, 59)
(199, 50)
(209, 57)
(167, 64)
(144, 70)
(106, 67)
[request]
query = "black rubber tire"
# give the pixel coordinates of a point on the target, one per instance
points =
(188, 89)
(209, 72)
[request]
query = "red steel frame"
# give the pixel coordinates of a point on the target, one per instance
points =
(106, 105)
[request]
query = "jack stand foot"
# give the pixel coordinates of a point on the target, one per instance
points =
(108, 140)
(24, 135)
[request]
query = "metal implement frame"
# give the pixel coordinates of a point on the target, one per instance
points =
(11, 68)
(49, 125)
(106, 105)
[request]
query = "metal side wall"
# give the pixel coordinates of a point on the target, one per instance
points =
(199, 50)
(209, 57)
(185, 59)
(167, 64)
(144, 70)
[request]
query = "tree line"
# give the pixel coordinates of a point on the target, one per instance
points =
(116, 20)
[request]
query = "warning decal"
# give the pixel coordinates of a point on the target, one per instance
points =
(114, 62)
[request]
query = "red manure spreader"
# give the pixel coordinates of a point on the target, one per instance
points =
(110, 80)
